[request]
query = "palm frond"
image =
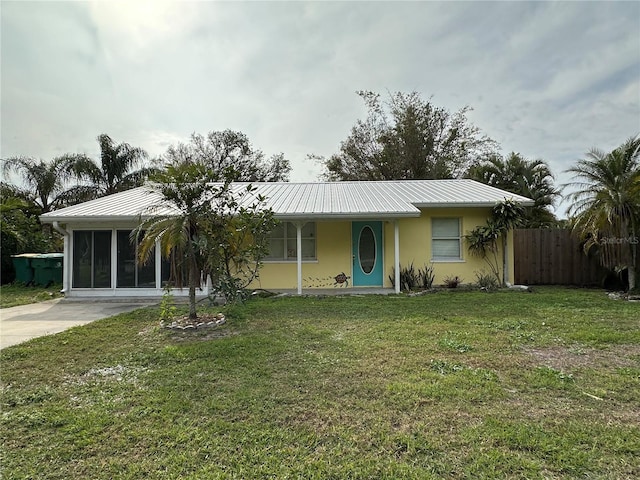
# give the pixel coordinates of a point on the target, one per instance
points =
(606, 201)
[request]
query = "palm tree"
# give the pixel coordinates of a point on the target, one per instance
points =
(185, 191)
(506, 216)
(118, 169)
(483, 240)
(606, 204)
(529, 178)
(45, 183)
(206, 229)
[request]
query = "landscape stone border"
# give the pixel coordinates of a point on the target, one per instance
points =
(187, 324)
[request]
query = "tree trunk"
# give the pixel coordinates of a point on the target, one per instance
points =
(194, 279)
(634, 258)
(194, 282)
(495, 266)
(192, 303)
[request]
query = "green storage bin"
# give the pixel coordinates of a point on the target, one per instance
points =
(24, 269)
(47, 268)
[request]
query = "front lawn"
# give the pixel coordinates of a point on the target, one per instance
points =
(446, 385)
(14, 294)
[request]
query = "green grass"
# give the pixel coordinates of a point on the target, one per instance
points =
(14, 294)
(449, 385)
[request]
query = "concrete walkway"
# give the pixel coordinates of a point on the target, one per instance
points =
(19, 324)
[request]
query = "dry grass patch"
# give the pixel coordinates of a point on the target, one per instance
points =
(575, 357)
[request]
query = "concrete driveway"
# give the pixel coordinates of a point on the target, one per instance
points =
(18, 324)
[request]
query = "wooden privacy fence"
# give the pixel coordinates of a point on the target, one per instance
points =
(553, 257)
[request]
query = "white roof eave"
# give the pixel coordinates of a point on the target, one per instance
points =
(289, 216)
(468, 204)
(91, 219)
(346, 216)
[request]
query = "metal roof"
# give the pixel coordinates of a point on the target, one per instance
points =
(298, 201)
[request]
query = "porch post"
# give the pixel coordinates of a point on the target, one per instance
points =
(66, 264)
(396, 247)
(114, 258)
(158, 260)
(299, 250)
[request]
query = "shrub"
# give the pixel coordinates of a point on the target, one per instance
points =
(410, 279)
(486, 281)
(452, 282)
(426, 276)
(167, 308)
(231, 288)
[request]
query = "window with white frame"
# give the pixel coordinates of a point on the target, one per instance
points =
(446, 241)
(91, 259)
(130, 272)
(283, 243)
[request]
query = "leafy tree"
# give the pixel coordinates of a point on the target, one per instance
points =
(120, 168)
(530, 178)
(482, 241)
(20, 229)
(237, 237)
(606, 205)
(208, 230)
(222, 151)
(407, 138)
(10, 228)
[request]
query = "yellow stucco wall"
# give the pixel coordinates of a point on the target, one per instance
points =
(415, 245)
(334, 252)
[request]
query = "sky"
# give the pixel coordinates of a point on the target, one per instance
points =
(549, 80)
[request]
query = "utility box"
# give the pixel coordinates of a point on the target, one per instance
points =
(47, 268)
(24, 269)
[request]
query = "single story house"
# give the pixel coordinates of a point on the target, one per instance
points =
(360, 232)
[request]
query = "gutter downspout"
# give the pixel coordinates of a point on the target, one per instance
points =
(66, 259)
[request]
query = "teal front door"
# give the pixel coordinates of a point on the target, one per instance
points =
(367, 254)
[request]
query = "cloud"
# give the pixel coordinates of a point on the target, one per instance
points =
(549, 80)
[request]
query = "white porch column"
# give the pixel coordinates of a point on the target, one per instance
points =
(299, 249)
(158, 260)
(66, 264)
(396, 260)
(114, 258)
(66, 259)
